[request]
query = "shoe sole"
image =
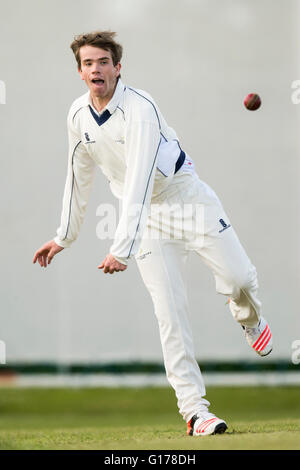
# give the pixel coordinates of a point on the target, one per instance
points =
(220, 428)
(264, 355)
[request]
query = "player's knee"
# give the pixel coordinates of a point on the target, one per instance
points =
(250, 281)
(234, 284)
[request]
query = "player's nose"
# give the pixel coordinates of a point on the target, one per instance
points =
(95, 68)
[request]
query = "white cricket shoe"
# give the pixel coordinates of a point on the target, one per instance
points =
(259, 337)
(205, 424)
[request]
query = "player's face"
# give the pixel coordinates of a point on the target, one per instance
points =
(98, 71)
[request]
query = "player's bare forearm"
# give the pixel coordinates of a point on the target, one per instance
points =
(111, 265)
(45, 254)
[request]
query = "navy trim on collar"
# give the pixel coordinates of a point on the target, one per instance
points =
(102, 118)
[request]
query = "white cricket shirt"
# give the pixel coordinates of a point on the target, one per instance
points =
(136, 150)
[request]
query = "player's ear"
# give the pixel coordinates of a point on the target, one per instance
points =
(118, 68)
(80, 73)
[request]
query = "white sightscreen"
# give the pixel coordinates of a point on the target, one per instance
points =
(197, 59)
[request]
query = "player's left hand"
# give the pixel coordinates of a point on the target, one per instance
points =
(111, 265)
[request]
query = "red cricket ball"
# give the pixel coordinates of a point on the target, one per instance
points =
(252, 101)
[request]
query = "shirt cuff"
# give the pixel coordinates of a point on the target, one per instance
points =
(62, 243)
(121, 260)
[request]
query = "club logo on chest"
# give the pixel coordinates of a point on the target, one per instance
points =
(87, 139)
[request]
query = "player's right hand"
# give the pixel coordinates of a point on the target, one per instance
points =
(45, 254)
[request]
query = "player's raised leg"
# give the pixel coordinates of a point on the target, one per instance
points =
(235, 275)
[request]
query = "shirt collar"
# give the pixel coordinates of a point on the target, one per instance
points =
(115, 100)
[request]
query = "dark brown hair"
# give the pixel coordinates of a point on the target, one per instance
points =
(103, 40)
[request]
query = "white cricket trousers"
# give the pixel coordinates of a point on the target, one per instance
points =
(188, 216)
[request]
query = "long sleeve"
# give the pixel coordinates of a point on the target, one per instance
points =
(78, 185)
(142, 142)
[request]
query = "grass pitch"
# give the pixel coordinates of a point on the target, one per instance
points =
(145, 418)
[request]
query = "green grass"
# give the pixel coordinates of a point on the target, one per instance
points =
(145, 418)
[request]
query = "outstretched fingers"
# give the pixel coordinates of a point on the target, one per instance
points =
(46, 253)
(41, 257)
(111, 265)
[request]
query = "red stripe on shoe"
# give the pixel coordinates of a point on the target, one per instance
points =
(201, 428)
(259, 339)
(204, 425)
(266, 342)
(262, 339)
(208, 424)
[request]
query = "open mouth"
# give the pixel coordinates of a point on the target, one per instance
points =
(97, 81)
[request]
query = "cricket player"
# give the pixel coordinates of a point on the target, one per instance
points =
(121, 130)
